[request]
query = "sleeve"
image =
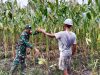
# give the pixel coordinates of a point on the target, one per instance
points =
(75, 42)
(58, 35)
(26, 42)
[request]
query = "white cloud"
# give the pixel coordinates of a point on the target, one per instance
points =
(82, 1)
(4, 1)
(22, 3)
(79, 1)
(52, 1)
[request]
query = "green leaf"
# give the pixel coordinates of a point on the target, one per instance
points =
(96, 1)
(98, 4)
(89, 1)
(1, 26)
(89, 15)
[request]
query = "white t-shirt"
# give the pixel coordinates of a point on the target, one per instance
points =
(65, 41)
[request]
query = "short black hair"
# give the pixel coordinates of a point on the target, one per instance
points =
(69, 26)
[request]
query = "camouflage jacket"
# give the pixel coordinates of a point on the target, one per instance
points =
(23, 43)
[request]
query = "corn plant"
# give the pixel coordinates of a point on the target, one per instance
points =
(50, 16)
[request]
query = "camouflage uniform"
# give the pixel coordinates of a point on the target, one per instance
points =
(22, 44)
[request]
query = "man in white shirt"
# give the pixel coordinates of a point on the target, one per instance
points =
(67, 45)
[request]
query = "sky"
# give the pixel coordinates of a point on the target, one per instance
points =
(23, 3)
(85, 1)
(79, 1)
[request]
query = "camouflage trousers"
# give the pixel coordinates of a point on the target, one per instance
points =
(18, 65)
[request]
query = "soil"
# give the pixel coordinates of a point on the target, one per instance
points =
(79, 67)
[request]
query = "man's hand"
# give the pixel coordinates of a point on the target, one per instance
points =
(74, 49)
(29, 57)
(45, 33)
(40, 30)
(28, 50)
(37, 52)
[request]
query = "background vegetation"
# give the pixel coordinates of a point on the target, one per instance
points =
(41, 13)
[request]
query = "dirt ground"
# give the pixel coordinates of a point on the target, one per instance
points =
(79, 65)
(32, 69)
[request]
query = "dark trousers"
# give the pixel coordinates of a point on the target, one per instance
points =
(18, 64)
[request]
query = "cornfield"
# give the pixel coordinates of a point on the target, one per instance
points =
(44, 14)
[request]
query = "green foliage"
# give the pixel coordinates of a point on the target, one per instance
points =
(13, 20)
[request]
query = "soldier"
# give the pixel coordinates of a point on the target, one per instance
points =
(23, 46)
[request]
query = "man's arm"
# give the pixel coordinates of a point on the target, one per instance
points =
(45, 33)
(73, 49)
(49, 34)
(74, 46)
(28, 53)
(52, 35)
(26, 42)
